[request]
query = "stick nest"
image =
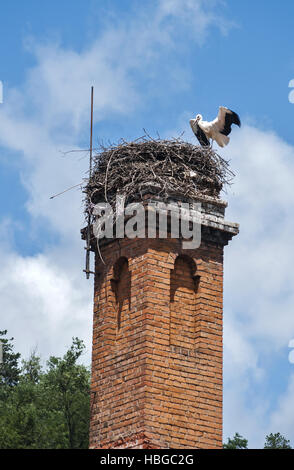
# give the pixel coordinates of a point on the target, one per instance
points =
(162, 167)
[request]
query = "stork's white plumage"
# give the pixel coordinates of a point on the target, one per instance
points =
(218, 129)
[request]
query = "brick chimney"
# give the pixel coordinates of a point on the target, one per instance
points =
(157, 339)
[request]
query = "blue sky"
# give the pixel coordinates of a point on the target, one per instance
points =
(154, 65)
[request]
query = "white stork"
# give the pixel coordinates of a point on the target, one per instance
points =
(218, 129)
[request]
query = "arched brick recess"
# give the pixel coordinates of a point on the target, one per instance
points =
(121, 288)
(183, 303)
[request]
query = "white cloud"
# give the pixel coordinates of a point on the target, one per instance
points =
(260, 260)
(197, 15)
(259, 296)
(282, 418)
(43, 305)
(239, 354)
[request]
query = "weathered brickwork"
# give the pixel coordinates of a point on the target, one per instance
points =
(157, 345)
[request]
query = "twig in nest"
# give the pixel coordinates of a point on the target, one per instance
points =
(166, 167)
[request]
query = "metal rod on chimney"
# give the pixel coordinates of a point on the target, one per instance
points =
(87, 270)
(91, 131)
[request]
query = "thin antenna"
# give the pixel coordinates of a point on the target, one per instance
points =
(87, 269)
(91, 131)
(68, 189)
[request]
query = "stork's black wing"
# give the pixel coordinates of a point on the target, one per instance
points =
(200, 134)
(230, 118)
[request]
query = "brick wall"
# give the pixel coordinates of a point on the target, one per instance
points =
(157, 345)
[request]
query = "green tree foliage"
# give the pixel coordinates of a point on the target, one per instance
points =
(69, 383)
(9, 369)
(50, 408)
(47, 409)
(238, 442)
(276, 441)
(272, 441)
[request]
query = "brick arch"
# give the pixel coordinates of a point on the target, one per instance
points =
(183, 302)
(121, 287)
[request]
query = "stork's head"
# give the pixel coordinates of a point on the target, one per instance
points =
(198, 117)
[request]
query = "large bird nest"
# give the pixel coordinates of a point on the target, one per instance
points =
(167, 168)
